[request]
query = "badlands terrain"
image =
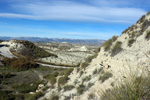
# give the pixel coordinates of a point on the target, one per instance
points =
(27, 69)
(118, 70)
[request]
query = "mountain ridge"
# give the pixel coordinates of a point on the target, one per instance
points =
(57, 40)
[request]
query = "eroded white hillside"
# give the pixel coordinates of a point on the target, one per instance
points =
(133, 55)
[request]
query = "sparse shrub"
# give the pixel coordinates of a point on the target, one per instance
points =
(96, 71)
(33, 96)
(54, 97)
(81, 89)
(81, 72)
(84, 65)
(105, 76)
(132, 34)
(21, 63)
(90, 58)
(87, 78)
(107, 44)
(112, 84)
(89, 85)
(68, 71)
(125, 31)
(92, 96)
(25, 88)
(130, 42)
(147, 35)
(148, 13)
(141, 19)
(114, 38)
(145, 25)
(63, 80)
(137, 88)
(5, 75)
(68, 87)
(116, 48)
(52, 78)
(6, 95)
(132, 27)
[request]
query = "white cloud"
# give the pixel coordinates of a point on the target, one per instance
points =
(71, 11)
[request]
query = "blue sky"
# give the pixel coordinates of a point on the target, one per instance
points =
(77, 19)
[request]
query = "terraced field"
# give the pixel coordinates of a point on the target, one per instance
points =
(67, 58)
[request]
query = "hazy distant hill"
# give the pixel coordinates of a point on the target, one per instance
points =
(57, 40)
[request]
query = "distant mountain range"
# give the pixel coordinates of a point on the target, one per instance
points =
(57, 40)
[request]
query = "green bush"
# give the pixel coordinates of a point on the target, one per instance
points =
(5, 75)
(147, 35)
(54, 97)
(108, 43)
(26, 88)
(81, 73)
(116, 48)
(90, 58)
(52, 78)
(6, 95)
(135, 89)
(80, 89)
(68, 71)
(114, 38)
(130, 42)
(96, 71)
(105, 76)
(33, 96)
(84, 65)
(63, 80)
(141, 19)
(89, 85)
(87, 78)
(92, 96)
(68, 87)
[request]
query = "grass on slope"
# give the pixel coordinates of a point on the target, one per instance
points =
(135, 88)
(116, 48)
(108, 43)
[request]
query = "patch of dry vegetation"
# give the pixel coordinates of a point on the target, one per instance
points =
(62, 80)
(130, 42)
(116, 48)
(22, 63)
(135, 89)
(147, 35)
(108, 43)
(105, 76)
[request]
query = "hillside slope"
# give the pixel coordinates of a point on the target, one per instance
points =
(25, 48)
(128, 53)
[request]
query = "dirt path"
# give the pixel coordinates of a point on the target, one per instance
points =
(53, 66)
